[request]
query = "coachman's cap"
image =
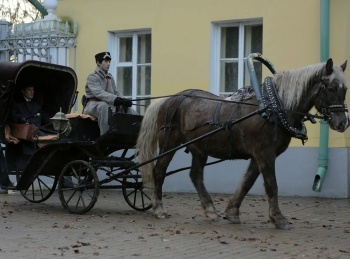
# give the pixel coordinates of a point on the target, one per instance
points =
(103, 55)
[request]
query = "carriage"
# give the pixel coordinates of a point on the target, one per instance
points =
(74, 158)
(257, 126)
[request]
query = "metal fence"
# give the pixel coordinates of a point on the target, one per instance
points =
(43, 40)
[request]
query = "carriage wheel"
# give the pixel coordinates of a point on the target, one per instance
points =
(40, 189)
(78, 187)
(138, 197)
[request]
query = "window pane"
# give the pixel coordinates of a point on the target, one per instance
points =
(144, 49)
(229, 77)
(125, 51)
(142, 105)
(124, 84)
(144, 80)
(253, 39)
(229, 42)
(258, 72)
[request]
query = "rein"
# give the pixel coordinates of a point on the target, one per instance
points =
(191, 96)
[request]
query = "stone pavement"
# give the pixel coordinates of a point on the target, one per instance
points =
(321, 229)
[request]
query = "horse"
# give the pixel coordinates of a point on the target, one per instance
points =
(183, 118)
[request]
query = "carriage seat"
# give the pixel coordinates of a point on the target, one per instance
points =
(80, 115)
(84, 127)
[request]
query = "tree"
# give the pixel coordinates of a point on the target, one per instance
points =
(18, 11)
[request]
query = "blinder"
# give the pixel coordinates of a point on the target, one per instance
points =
(326, 110)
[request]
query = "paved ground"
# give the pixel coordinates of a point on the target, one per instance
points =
(321, 229)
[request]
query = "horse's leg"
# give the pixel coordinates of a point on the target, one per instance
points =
(267, 167)
(196, 174)
(159, 173)
(232, 209)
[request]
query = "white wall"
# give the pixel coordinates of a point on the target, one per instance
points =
(295, 171)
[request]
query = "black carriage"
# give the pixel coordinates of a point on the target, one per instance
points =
(76, 160)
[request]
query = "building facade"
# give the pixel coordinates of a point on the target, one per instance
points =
(160, 47)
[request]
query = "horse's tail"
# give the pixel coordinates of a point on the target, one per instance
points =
(147, 142)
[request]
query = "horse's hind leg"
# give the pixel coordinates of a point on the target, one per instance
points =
(159, 173)
(196, 174)
(232, 209)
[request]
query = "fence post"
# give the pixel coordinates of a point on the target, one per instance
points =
(4, 27)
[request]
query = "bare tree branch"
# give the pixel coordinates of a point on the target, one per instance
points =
(18, 11)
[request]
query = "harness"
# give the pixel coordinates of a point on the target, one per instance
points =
(275, 113)
(269, 99)
(271, 107)
(169, 117)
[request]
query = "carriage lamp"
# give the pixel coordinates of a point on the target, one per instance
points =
(59, 121)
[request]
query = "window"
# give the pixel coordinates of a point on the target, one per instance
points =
(131, 65)
(231, 45)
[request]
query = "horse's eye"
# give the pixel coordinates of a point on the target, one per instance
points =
(332, 89)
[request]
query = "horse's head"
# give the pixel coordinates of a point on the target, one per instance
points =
(330, 99)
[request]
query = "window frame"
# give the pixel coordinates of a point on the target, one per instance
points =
(114, 48)
(215, 43)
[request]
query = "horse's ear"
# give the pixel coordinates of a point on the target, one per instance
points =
(329, 67)
(343, 66)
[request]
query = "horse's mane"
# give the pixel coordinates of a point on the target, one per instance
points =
(293, 85)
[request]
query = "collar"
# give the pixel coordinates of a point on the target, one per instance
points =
(275, 111)
(102, 73)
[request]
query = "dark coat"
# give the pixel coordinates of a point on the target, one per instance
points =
(29, 112)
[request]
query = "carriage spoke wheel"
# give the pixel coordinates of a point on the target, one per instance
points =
(40, 189)
(78, 187)
(138, 197)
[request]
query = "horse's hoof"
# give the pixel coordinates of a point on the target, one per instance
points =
(161, 215)
(283, 225)
(281, 222)
(234, 219)
(211, 214)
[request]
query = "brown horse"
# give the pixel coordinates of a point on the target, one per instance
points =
(177, 120)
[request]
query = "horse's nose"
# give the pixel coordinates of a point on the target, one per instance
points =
(343, 125)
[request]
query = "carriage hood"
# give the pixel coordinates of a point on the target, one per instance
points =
(55, 86)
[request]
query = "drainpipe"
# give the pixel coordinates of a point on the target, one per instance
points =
(38, 6)
(324, 127)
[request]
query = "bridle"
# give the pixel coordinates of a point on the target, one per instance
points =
(327, 110)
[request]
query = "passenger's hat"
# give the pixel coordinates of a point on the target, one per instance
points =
(24, 86)
(103, 55)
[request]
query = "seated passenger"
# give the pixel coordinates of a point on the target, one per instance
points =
(102, 93)
(28, 111)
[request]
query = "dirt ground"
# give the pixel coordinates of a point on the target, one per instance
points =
(320, 229)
